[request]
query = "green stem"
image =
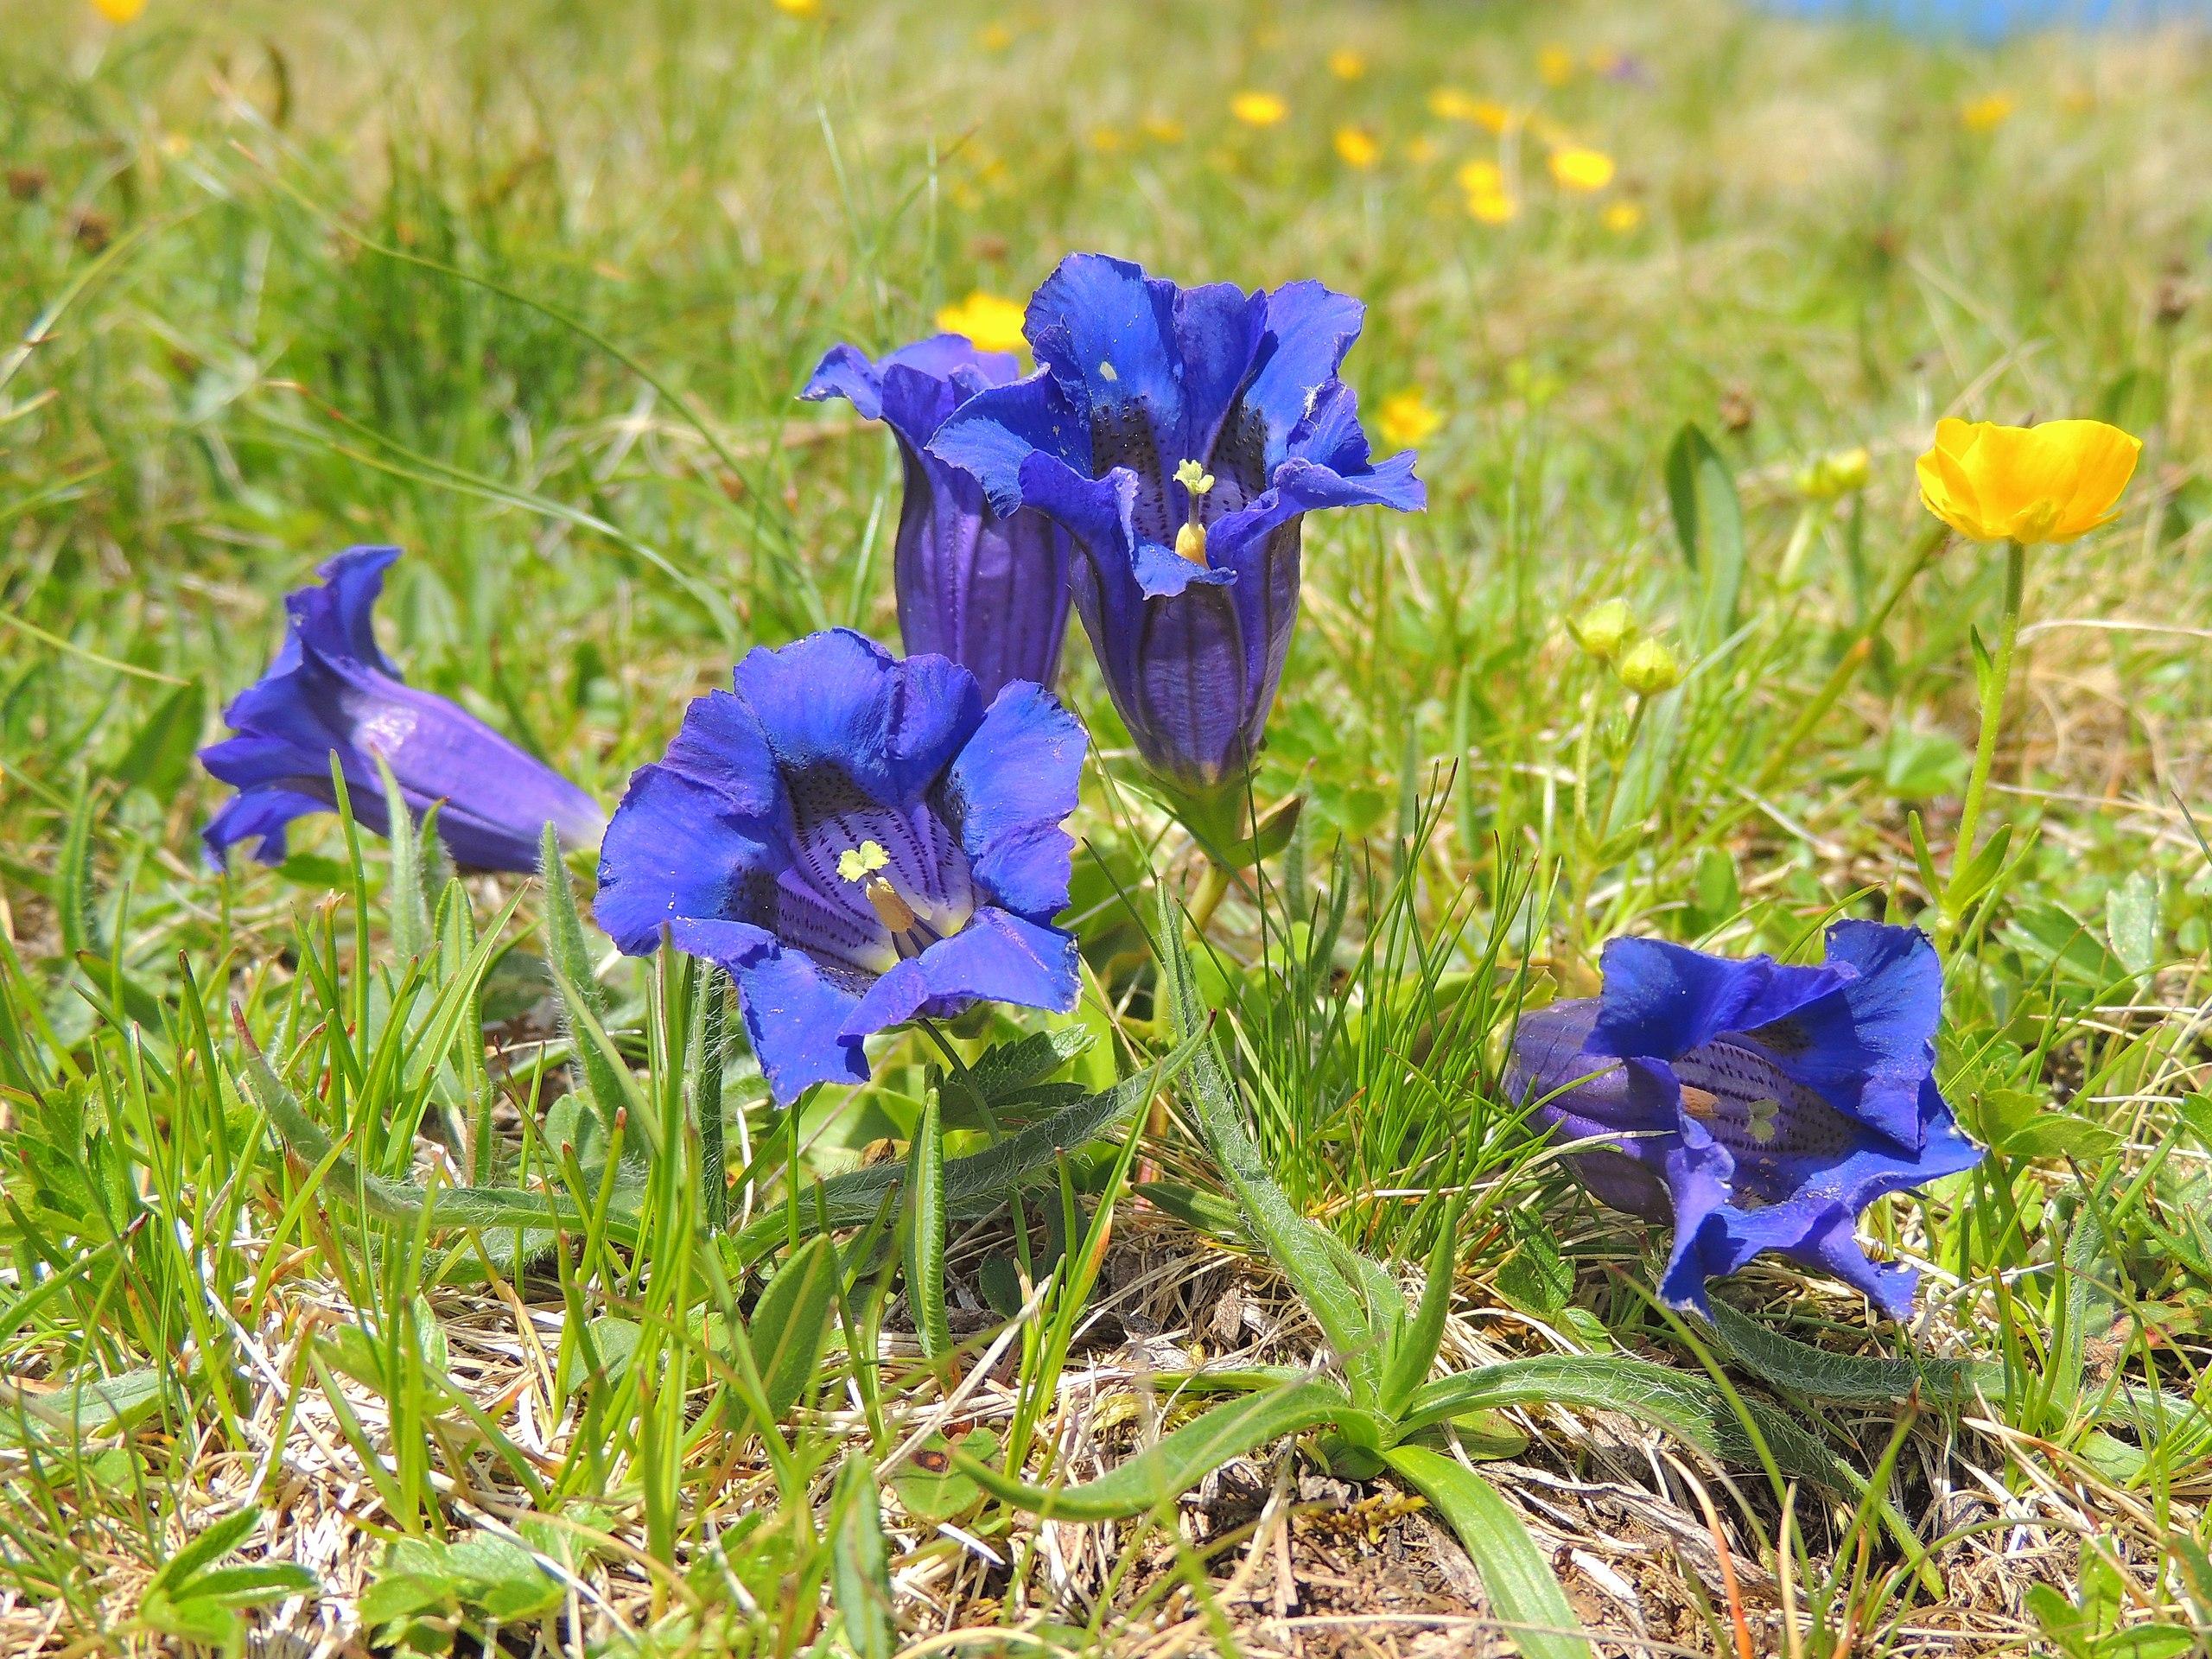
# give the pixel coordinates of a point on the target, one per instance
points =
(1213, 887)
(1853, 658)
(1996, 682)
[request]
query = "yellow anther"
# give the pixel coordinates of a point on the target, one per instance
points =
(857, 863)
(895, 912)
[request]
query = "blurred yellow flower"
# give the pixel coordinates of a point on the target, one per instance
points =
(991, 322)
(1623, 217)
(1407, 418)
(1555, 65)
(1421, 151)
(1450, 103)
(1579, 168)
(1987, 113)
(119, 12)
(1480, 176)
(1258, 109)
(1490, 115)
(995, 37)
(1108, 140)
(1345, 64)
(2027, 484)
(1832, 476)
(1163, 129)
(798, 8)
(1359, 148)
(1492, 206)
(1604, 60)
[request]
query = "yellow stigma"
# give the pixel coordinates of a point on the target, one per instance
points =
(857, 863)
(1194, 478)
(1191, 540)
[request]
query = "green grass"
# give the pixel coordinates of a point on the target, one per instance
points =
(529, 289)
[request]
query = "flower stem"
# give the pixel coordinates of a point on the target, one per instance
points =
(1213, 887)
(1996, 682)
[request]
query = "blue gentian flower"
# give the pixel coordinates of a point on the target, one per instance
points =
(332, 691)
(990, 592)
(1181, 434)
(858, 840)
(1750, 1105)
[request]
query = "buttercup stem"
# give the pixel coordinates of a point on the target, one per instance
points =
(1995, 686)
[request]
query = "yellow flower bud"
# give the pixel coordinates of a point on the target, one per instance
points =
(1604, 628)
(2027, 484)
(1647, 668)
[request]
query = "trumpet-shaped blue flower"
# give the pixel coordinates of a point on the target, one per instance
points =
(332, 691)
(1750, 1105)
(858, 840)
(989, 591)
(1181, 436)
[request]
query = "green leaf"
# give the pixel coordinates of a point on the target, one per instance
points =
(925, 1233)
(1535, 1278)
(973, 1183)
(1415, 1352)
(1009, 1070)
(160, 751)
(1709, 525)
(1853, 1377)
(582, 1001)
(931, 1489)
(792, 1323)
(1175, 1463)
(860, 1566)
(2132, 922)
(1304, 1253)
(408, 911)
(1524, 1595)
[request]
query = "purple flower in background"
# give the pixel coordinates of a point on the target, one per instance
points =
(332, 691)
(1181, 436)
(990, 592)
(858, 840)
(1754, 1106)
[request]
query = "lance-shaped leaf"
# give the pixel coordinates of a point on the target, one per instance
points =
(925, 1236)
(1524, 1595)
(1177, 1460)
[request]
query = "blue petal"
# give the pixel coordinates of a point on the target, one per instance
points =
(720, 746)
(1696, 1173)
(845, 371)
(338, 617)
(946, 357)
(997, 957)
(264, 812)
(994, 436)
(1009, 790)
(1310, 328)
(1218, 329)
(1662, 1000)
(1105, 333)
(794, 1012)
(837, 698)
(1867, 1048)
(677, 852)
(1163, 573)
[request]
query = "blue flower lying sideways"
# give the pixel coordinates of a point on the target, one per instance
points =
(1755, 1106)
(332, 691)
(1180, 436)
(858, 840)
(990, 592)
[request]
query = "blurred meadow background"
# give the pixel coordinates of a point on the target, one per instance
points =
(528, 291)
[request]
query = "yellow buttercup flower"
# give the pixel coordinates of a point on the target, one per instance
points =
(1406, 418)
(991, 323)
(995, 37)
(1357, 148)
(1579, 168)
(119, 12)
(2027, 484)
(798, 8)
(1162, 128)
(1986, 113)
(1623, 217)
(1421, 151)
(1555, 65)
(1258, 109)
(1345, 64)
(1450, 103)
(1108, 140)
